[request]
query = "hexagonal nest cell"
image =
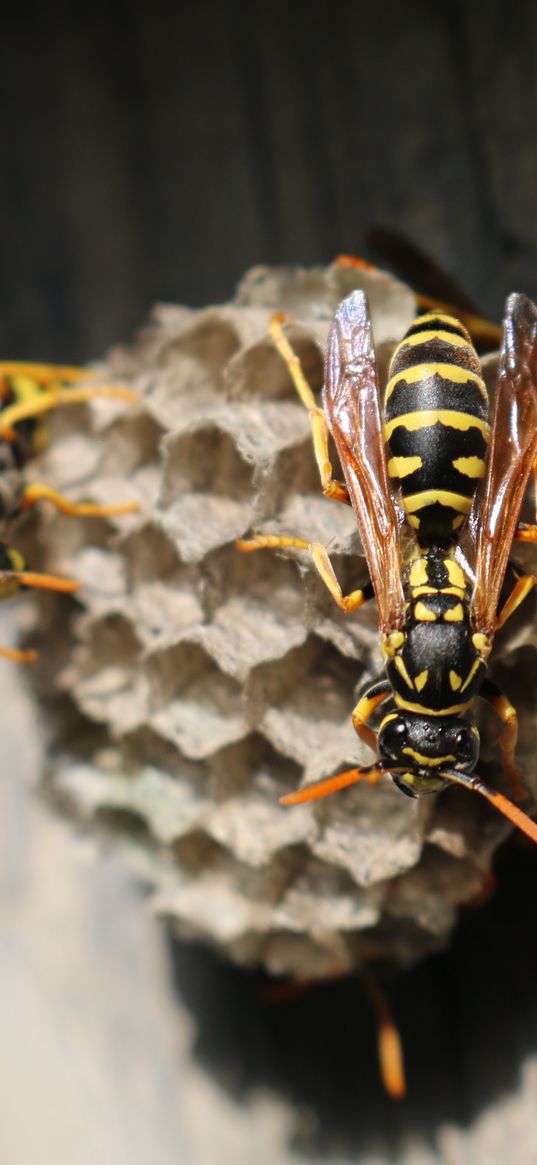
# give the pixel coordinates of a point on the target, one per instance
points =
(212, 682)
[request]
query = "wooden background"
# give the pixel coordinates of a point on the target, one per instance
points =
(154, 152)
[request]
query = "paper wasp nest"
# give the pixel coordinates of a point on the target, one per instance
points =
(189, 685)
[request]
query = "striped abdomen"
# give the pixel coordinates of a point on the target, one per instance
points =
(436, 425)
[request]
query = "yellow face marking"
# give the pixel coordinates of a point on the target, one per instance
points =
(471, 466)
(423, 419)
(446, 372)
(421, 679)
(437, 334)
(482, 644)
(428, 760)
(404, 466)
(454, 615)
(444, 497)
(477, 664)
(423, 614)
(392, 643)
(401, 668)
(418, 573)
(455, 681)
(451, 711)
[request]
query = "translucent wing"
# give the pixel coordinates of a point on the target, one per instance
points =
(495, 512)
(351, 401)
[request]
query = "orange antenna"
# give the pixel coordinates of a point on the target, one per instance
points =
(503, 804)
(333, 784)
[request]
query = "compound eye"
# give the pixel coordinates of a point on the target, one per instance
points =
(461, 740)
(392, 738)
(466, 746)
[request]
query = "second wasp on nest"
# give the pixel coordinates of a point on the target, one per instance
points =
(208, 684)
(28, 392)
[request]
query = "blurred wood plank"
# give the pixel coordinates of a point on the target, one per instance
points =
(155, 153)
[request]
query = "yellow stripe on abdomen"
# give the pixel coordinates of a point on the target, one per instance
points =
(435, 334)
(440, 497)
(426, 418)
(445, 372)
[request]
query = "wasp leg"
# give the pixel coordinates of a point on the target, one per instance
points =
(17, 656)
(52, 398)
(45, 374)
(355, 261)
(12, 580)
(321, 560)
(37, 492)
(364, 710)
(526, 532)
(319, 428)
(508, 736)
(328, 785)
(522, 587)
(390, 1049)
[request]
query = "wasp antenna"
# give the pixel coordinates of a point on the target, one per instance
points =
(501, 803)
(333, 784)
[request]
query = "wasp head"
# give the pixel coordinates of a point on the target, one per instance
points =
(419, 747)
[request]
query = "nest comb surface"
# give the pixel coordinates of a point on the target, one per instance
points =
(189, 685)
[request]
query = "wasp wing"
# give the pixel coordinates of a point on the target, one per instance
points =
(496, 509)
(351, 401)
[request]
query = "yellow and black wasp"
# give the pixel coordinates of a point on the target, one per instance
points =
(27, 393)
(437, 493)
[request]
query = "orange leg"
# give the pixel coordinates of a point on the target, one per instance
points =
(508, 737)
(390, 1049)
(10, 580)
(321, 561)
(37, 492)
(524, 584)
(319, 428)
(17, 656)
(365, 708)
(44, 400)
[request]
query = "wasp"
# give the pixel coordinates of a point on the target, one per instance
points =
(437, 490)
(27, 393)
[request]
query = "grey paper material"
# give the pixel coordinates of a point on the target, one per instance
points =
(190, 686)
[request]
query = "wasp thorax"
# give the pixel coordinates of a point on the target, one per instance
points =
(425, 743)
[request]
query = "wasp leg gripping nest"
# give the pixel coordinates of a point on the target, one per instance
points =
(190, 686)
